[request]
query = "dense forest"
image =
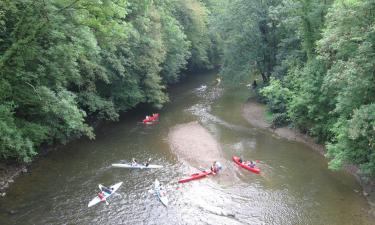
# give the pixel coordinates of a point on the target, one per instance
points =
(316, 59)
(67, 63)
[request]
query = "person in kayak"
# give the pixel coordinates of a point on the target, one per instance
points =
(148, 162)
(162, 191)
(216, 166)
(102, 198)
(240, 160)
(251, 164)
(107, 190)
(134, 162)
(100, 195)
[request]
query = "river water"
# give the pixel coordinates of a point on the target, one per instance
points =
(294, 187)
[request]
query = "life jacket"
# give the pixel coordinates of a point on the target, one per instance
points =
(213, 169)
(100, 195)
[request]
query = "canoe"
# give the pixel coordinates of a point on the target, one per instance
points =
(138, 166)
(151, 118)
(161, 193)
(96, 200)
(252, 169)
(195, 176)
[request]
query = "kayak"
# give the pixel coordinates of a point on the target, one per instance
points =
(152, 118)
(252, 169)
(161, 193)
(195, 176)
(138, 166)
(96, 200)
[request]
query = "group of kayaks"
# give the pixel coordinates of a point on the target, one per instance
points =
(105, 192)
(249, 165)
(159, 190)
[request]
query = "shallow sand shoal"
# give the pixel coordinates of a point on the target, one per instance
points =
(254, 113)
(194, 144)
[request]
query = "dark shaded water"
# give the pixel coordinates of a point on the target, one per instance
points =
(294, 187)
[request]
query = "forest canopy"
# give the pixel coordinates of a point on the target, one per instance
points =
(316, 59)
(64, 63)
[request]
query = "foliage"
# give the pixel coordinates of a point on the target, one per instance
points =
(317, 61)
(64, 63)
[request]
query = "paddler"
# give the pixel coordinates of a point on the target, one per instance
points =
(148, 162)
(251, 164)
(216, 166)
(100, 195)
(107, 190)
(134, 162)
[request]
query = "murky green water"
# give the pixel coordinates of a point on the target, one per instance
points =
(294, 187)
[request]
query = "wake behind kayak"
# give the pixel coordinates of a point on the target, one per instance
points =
(138, 166)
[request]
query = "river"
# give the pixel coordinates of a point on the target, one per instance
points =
(294, 186)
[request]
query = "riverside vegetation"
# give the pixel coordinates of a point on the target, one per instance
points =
(64, 63)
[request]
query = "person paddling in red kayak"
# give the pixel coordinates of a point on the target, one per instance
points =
(251, 164)
(216, 166)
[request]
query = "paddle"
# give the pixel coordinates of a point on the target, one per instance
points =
(148, 161)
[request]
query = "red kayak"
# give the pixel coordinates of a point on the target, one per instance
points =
(195, 176)
(245, 165)
(152, 118)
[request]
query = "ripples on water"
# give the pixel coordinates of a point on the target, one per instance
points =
(294, 186)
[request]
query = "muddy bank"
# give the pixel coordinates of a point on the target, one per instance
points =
(193, 144)
(254, 113)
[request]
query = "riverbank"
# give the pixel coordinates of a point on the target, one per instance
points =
(254, 113)
(8, 173)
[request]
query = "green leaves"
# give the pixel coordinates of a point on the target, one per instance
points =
(64, 62)
(13, 143)
(320, 57)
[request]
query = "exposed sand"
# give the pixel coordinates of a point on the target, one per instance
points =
(254, 113)
(193, 144)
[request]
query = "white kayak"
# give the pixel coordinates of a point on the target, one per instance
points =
(161, 193)
(138, 166)
(96, 200)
